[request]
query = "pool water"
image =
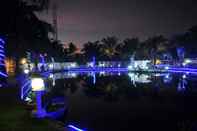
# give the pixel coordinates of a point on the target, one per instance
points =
(108, 101)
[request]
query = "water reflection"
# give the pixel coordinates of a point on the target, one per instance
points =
(113, 84)
(134, 78)
(182, 83)
(92, 97)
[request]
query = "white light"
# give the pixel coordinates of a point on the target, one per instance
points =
(102, 73)
(26, 71)
(101, 65)
(184, 64)
(37, 84)
(166, 67)
(167, 76)
(135, 65)
(50, 66)
(51, 76)
(130, 67)
(184, 76)
(73, 65)
(188, 61)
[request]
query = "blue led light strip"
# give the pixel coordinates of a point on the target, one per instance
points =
(2, 58)
(2, 74)
(1, 47)
(2, 41)
(75, 128)
(2, 55)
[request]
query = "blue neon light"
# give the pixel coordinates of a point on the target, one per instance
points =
(75, 128)
(1, 47)
(2, 55)
(3, 74)
(2, 41)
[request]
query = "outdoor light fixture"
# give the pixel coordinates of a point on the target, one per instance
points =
(37, 84)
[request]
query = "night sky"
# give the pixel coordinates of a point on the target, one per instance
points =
(80, 21)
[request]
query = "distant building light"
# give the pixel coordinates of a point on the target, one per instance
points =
(50, 66)
(26, 71)
(188, 61)
(184, 64)
(51, 76)
(167, 67)
(184, 76)
(23, 61)
(130, 67)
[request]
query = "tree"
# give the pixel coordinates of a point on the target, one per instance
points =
(22, 28)
(109, 45)
(153, 46)
(91, 49)
(129, 47)
(72, 48)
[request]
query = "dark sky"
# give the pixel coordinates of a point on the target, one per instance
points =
(80, 21)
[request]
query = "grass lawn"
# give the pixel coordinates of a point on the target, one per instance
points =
(14, 115)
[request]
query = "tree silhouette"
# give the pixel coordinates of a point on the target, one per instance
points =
(153, 44)
(109, 45)
(129, 47)
(91, 49)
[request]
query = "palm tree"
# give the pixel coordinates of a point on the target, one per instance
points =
(91, 49)
(129, 47)
(109, 45)
(72, 48)
(153, 45)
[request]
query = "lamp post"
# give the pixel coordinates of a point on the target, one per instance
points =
(37, 84)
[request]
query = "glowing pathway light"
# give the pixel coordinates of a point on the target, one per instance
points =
(37, 84)
(38, 87)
